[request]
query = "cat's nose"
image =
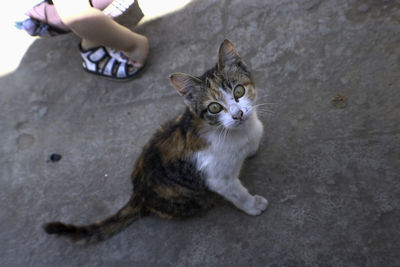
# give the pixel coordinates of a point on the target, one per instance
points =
(238, 115)
(236, 112)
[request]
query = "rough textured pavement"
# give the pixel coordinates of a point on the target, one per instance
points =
(331, 174)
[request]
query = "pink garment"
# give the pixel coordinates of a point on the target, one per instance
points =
(48, 13)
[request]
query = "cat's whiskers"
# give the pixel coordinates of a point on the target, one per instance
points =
(264, 104)
(220, 130)
(223, 134)
(263, 110)
(227, 131)
(262, 97)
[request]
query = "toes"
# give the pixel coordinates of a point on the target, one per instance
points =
(260, 202)
(259, 205)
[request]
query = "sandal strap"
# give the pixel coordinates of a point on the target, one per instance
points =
(97, 55)
(122, 70)
(108, 68)
(114, 66)
(92, 57)
(94, 54)
(115, 54)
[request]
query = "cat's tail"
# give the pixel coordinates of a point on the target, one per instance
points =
(101, 230)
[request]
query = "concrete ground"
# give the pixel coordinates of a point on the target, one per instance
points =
(330, 172)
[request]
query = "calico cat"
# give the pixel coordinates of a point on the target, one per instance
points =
(193, 156)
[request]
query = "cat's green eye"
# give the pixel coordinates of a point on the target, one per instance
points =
(239, 91)
(214, 108)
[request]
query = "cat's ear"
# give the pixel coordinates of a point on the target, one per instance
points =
(185, 84)
(228, 55)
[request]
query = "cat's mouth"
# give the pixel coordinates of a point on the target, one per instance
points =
(239, 122)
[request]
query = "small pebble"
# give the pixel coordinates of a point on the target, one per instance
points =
(55, 157)
(339, 101)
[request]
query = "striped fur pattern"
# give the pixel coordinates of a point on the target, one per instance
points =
(194, 157)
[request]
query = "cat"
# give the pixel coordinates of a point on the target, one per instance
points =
(194, 157)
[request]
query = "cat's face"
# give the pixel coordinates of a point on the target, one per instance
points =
(224, 96)
(229, 98)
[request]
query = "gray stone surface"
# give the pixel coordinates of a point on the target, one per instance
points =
(332, 175)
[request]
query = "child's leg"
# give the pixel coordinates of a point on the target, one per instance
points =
(47, 13)
(95, 28)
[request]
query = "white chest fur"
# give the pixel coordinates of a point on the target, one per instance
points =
(222, 160)
(225, 154)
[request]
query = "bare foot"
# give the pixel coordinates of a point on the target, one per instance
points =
(138, 54)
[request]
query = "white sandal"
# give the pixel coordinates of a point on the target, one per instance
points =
(108, 63)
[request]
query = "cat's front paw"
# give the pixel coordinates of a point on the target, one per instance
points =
(258, 206)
